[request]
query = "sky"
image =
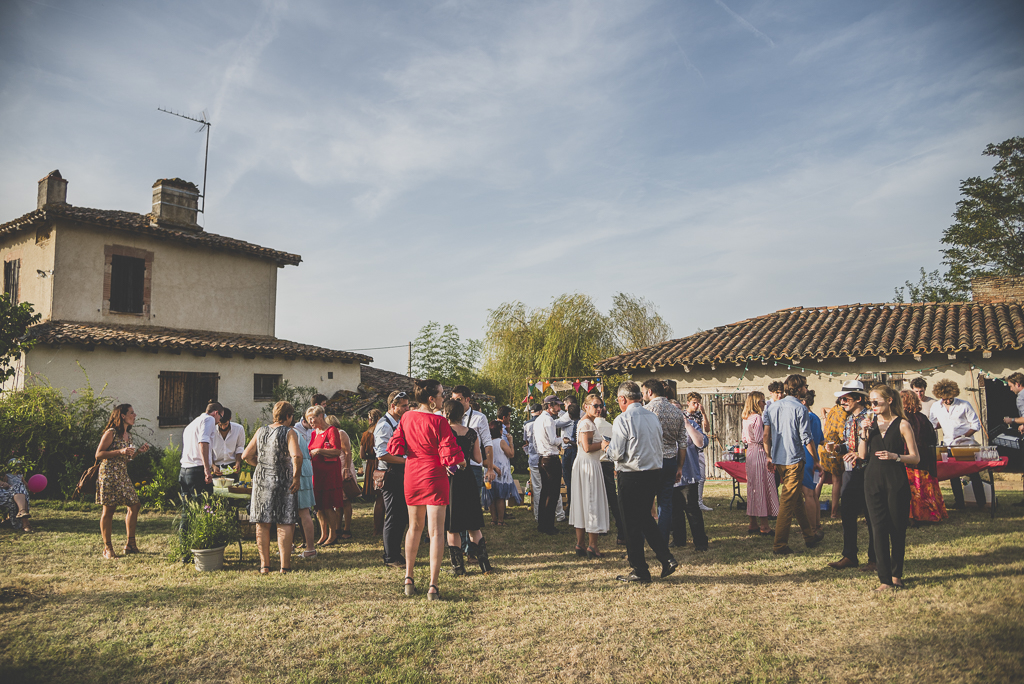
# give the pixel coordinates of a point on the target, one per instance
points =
(432, 161)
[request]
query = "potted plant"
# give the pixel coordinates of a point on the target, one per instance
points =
(205, 526)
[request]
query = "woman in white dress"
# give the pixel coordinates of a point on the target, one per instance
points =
(588, 510)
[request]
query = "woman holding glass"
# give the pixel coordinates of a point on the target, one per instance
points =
(114, 488)
(432, 454)
(588, 508)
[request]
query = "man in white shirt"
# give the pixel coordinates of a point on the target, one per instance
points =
(478, 422)
(197, 467)
(636, 450)
(228, 442)
(958, 422)
(549, 446)
(396, 513)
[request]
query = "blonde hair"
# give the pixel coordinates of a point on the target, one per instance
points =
(283, 411)
(334, 421)
(751, 406)
(314, 411)
(894, 396)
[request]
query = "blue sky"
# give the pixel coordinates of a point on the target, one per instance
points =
(432, 160)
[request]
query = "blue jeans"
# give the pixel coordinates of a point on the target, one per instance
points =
(668, 471)
(568, 457)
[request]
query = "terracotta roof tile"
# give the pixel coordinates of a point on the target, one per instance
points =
(839, 331)
(153, 337)
(143, 224)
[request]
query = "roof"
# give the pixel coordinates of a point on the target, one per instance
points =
(375, 385)
(153, 338)
(143, 224)
(841, 331)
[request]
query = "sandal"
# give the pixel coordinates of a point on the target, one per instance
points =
(346, 535)
(265, 570)
(594, 553)
(410, 586)
(433, 595)
(285, 571)
(580, 551)
(309, 554)
(108, 552)
(130, 546)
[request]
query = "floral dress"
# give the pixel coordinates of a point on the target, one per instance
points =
(272, 502)
(8, 506)
(113, 486)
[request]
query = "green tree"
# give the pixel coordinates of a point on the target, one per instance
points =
(987, 235)
(15, 320)
(636, 323)
(439, 353)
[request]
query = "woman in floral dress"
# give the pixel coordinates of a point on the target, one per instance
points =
(762, 497)
(114, 488)
(274, 451)
(926, 504)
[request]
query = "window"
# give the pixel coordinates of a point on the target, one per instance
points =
(893, 380)
(183, 396)
(12, 273)
(263, 386)
(330, 375)
(127, 282)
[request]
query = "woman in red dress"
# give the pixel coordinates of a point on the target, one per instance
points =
(429, 447)
(325, 448)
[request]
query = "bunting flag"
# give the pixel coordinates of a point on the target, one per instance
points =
(576, 385)
(546, 385)
(527, 399)
(600, 388)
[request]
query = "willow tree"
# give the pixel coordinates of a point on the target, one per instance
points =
(564, 339)
(636, 323)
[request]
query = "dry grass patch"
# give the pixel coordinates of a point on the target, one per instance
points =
(736, 613)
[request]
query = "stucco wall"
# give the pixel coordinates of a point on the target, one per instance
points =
(729, 378)
(191, 288)
(132, 377)
(35, 249)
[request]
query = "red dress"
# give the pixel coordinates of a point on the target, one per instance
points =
(327, 489)
(429, 446)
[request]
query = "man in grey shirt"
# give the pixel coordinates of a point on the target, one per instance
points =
(786, 430)
(396, 513)
(636, 450)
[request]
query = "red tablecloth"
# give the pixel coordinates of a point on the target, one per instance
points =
(947, 470)
(736, 470)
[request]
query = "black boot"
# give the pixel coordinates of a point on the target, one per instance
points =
(458, 563)
(481, 555)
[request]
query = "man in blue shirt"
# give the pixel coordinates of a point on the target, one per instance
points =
(787, 433)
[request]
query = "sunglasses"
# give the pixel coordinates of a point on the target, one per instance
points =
(401, 395)
(878, 403)
(597, 405)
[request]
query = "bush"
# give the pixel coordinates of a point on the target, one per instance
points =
(160, 491)
(204, 523)
(44, 432)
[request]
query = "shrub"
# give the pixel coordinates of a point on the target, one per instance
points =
(160, 491)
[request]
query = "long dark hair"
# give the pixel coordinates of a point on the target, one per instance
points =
(116, 420)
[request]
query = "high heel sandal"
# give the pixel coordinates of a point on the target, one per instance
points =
(433, 595)
(594, 553)
(410, 586)
(108, 552)
(130, 546)
(265, 570)
(581, 551)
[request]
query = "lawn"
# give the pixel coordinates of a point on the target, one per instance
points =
(735, 613)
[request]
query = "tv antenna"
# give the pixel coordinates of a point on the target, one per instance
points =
(203, 122)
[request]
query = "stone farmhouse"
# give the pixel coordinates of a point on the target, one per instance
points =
(973, 343)
(164, 314)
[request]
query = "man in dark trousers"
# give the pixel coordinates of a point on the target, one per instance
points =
(636, 450)
(396, 513)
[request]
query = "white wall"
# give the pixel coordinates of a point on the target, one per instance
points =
(131, 377)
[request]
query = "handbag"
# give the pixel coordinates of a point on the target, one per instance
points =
(379, 478)
(87, 483)
(351, 489)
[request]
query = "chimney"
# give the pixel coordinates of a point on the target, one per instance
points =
(996, 289)
(52, 190)
(176, 204)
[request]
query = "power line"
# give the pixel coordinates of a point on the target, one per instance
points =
(397, 346)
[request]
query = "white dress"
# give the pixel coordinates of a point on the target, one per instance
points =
(589, 505)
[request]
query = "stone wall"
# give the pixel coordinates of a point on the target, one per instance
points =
(997, 289)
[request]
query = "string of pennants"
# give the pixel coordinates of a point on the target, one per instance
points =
(537, 389)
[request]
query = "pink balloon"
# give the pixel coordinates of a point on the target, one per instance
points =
(36, 483)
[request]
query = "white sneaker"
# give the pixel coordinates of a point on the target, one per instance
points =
(706, 508)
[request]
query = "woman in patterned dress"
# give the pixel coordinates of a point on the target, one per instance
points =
(114, 488)
(14, 500)
(274, 451)
(926, 504)
(762, 497)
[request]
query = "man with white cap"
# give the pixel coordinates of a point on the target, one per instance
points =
(853, 398)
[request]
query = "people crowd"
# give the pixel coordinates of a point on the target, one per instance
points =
(436, 465)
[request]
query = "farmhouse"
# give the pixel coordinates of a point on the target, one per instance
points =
(164, 314)
(973, 343)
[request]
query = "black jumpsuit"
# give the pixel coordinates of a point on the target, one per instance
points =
(887, 497)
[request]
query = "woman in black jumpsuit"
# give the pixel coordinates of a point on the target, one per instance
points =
(890, 446)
